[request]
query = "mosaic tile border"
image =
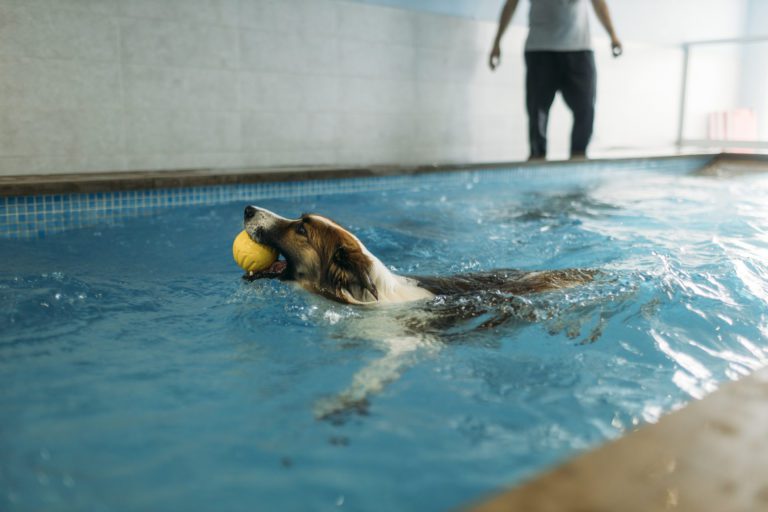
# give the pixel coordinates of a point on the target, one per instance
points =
(36, 216)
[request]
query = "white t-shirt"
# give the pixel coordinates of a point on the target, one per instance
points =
(558, 25)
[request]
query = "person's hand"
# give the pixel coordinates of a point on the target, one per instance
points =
(616, 47)
(495, 58)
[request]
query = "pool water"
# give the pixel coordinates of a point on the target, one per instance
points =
(139, 372)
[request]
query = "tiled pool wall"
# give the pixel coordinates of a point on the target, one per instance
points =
(35, 216)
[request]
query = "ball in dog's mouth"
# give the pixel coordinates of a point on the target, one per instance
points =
(273, 271)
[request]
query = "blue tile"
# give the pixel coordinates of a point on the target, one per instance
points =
(30, 216)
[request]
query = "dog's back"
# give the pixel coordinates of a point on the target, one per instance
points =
(515, 282)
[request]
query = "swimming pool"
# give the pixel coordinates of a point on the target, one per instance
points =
(137, 371)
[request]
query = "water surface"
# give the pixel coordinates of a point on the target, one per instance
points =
(138, 372)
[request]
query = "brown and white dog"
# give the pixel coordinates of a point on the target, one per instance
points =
(324, 258)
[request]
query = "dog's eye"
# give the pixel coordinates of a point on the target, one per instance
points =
(300, 229)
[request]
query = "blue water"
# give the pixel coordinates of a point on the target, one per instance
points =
(138, 372)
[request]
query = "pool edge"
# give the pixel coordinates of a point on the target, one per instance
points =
(24, 185)
(706, 456)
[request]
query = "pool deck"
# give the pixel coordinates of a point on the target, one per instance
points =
(24, 185)
(709, 456)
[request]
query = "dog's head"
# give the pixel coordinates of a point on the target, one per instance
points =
(320, 255)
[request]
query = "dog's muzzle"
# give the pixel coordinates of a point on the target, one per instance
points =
(262, 225)
(257, 223)
(255, 220)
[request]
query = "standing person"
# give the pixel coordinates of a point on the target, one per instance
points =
(558, 57)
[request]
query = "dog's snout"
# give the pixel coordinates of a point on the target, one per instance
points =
(250, 211)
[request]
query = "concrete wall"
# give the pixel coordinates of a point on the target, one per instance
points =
(91, 85)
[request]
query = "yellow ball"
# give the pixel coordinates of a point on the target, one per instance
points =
(252, 256)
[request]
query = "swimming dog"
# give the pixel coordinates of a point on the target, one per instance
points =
(326, 259)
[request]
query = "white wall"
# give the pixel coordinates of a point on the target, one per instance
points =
(648, 21)
(730, 75)
(714, 80)
(639, 94)
(678, 21)
(91, 85)
(165, 84)
(753, 93)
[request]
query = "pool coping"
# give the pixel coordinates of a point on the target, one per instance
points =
(705, 457)
(36, 184)
(40, 205)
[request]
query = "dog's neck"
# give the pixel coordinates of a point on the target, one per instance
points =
(392, 288)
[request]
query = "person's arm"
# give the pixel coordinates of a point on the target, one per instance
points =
(601, 9)
(506, 16)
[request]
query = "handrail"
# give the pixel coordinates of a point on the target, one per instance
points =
(683, 95)
(754, 39)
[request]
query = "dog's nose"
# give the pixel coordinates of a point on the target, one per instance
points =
(250, 211)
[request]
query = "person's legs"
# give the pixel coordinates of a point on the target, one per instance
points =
(541, 83)
(579, 90)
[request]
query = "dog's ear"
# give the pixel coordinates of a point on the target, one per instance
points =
(349, 275)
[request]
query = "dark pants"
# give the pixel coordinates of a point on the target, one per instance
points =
(574, 75)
